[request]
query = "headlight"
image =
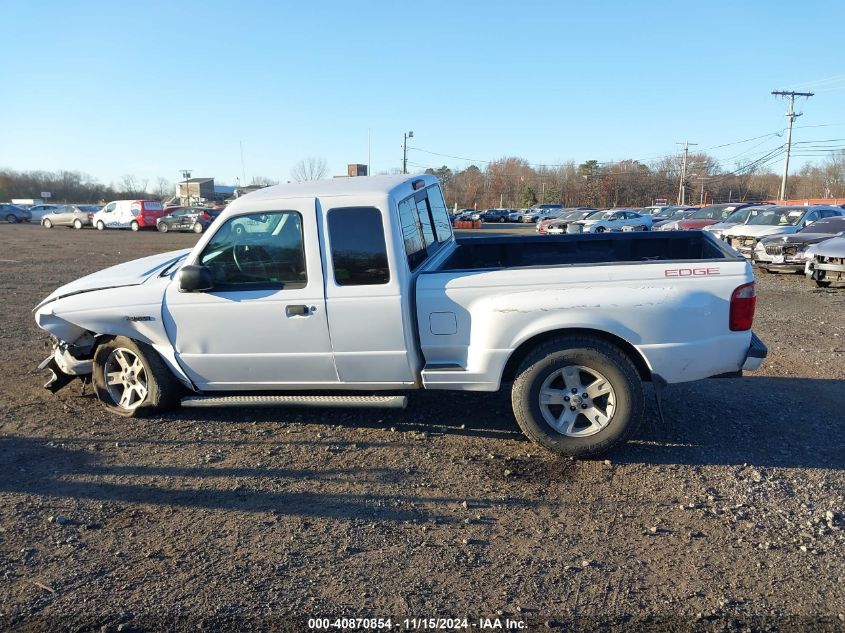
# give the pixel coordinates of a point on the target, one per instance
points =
(760, 247)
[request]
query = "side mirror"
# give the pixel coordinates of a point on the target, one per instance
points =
(195, 279)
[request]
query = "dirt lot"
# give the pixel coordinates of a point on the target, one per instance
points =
(731, 515)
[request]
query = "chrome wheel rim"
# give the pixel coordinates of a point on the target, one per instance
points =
(126, 379)
(577, 401)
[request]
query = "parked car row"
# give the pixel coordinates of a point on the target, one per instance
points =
(582, 220)
(808, 239)
(130, 214)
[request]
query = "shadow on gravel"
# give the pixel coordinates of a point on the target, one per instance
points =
(471, 414)
(39, 466)
(761, 421)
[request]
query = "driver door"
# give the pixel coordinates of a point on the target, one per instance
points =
(263, 325)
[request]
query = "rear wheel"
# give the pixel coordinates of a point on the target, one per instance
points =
(11, 219)
(134, 225)
(600, 229)
(48, 224)
(197, 227)
(131, 380)
(501, 220)
(162, 227)
(577, 396)
(77, 224)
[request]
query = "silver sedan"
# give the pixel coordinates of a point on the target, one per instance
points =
(75, 215)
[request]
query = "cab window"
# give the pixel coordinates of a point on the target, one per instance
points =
(359, 254)
(258, 250)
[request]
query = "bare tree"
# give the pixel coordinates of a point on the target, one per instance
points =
(264, 181)
(311, 168)
(164, 188)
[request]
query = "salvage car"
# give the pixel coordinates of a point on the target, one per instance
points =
(75, 215)
(358, 285)
(191, 219)
(777, 220)
(557, 226)
(496, 215)
(826, 261)
(740, 216)
(788, 253)
(13, 214)
(705, 216)
(612, 220)
(670, 223)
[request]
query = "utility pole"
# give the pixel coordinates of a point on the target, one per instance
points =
(405, 152)
(791, 115)
(682, 189)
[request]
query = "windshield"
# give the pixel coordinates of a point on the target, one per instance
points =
(828, 225)
(712, 213)
(777, 217)
(738, 217)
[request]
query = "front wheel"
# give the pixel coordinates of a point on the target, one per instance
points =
(134, 226)
(578, 396)
(77, 224)
(162, 227)
(600, 229)
(101, 225)
(131, 380)
(197, 227)
(501, 220)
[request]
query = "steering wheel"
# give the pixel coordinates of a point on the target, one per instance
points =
(250, 259)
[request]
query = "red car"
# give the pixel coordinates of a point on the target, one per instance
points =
(711, 214)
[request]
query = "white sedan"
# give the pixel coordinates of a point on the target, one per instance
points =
(623, 220)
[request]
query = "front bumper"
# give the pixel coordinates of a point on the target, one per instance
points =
(756, 354)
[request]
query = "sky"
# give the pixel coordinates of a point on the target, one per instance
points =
(151, 88)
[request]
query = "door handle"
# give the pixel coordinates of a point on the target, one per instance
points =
(299, 310)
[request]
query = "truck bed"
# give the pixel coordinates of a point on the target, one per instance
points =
(505, 251)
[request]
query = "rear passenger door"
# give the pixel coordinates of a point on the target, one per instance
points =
(364, 300)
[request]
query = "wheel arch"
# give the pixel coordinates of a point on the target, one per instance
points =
(524, 349)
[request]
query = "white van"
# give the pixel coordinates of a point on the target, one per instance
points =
(129, 214)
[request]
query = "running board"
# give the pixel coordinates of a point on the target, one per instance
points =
(347, 402)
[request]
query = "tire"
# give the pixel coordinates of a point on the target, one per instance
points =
(589, 361)
(501, 220)
(134, 226)
(77, 224)
(11, 219)
(197, 227)
(600, 229)
(47, 224)
(162, 227)
(101, 225)
(161, 390)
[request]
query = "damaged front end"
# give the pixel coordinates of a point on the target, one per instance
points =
(69, 362)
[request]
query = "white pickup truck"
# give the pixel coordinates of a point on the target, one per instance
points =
(358, 286)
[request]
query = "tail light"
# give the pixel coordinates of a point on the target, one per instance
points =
(90, 216)
(743, 303)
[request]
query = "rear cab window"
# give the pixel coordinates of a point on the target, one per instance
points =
(425, 224)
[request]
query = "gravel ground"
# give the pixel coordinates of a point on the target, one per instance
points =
(728, 516)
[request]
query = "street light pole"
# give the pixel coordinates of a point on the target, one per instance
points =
(405, 152)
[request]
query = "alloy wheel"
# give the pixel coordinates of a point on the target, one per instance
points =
(126, 379)
(577, 401)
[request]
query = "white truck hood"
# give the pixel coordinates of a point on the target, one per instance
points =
(759, 230)
(130, 273)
